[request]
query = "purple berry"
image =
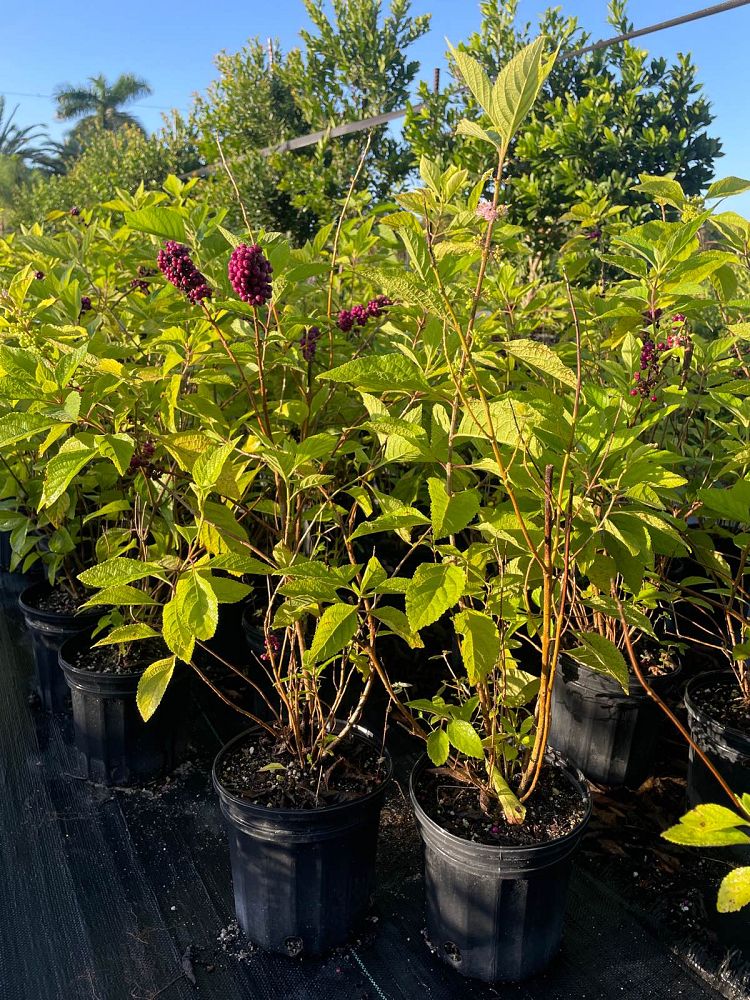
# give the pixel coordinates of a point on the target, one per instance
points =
(250, 274)
(308, 342)
(75, 211)
(177, 267)
(86, 304)
(39, 275)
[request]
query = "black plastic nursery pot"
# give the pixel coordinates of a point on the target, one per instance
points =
(49, 630)
(611, 736)
(302, 877)
(495, 913)
(115, 746)
(727, 748)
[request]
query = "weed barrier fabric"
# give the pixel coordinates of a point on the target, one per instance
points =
(110, 894)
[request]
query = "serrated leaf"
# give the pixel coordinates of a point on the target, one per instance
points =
(662, 189)
(198, 605)
(384, 372)
(450, 514)
(127, 633)
(335, 629)
(734, 891)
(727, 186)
(600, 654)
(438, 747)
(207, 466)
(175, 631)
(397, 622)
(475, 77)
(480, 644)
(406, 517)
(15, 427)
(433, 589)
(464, 737)
(118, 448)
(709, 825)
(474, 131)
(403, 286)
(62, 469)
(164, 222)
(119, 570)
(228, 591)
(517, 87)
(152, 685)
(121, 596)
(541, 357)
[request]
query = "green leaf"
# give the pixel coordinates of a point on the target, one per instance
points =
(177, 635)
(541, 357)
(517, 87)
(117, 571)
(119, 449)
(198, 605)
(152, 685)
(475, 77)
(450, 514)
(665, 190)
(600, 654)
(438, 747)
(474, 131)
(408, 288)
(480, 646)
(121, 596)
(127, 633)
(62, 469)
(464, 737)
(734, 891)
(164, 222)
(16, 427)
(432, 591)
(398, 623)
(228, 591)
(397, 520)
(207, 467)
(709, 825)
(384, 372)
(727, 186)
(335, 629)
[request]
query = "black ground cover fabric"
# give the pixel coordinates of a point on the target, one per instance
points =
(126, 895)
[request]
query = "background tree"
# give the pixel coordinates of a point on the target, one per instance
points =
(98, 104)
(352, 64)
(601, 120)
(18, 141)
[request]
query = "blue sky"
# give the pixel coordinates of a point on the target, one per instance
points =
(172, 45)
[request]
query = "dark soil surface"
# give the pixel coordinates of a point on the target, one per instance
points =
(58, 601)
(108, 659)
(555, 809)
(720, 699)
(264, 772)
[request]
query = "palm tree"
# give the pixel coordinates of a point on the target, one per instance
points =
(99, 104)
(16, 141)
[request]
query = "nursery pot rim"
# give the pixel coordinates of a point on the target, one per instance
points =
(43, 586)
(635, 689)
(701, 713)
(491, 852)
(75, 641)
(331, 810)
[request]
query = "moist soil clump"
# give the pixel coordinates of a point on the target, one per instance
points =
(262, 771)
(721, 700)
(108, 660)
(555, 809)
(57, 601)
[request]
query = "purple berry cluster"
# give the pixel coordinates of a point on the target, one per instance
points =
(141, 461)
(177, 267)
(250, 274)
(308, 342)
(360, 314)
(85, 304)
(594, 235)
(651, 372)
(273, 648)
(140, 284)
